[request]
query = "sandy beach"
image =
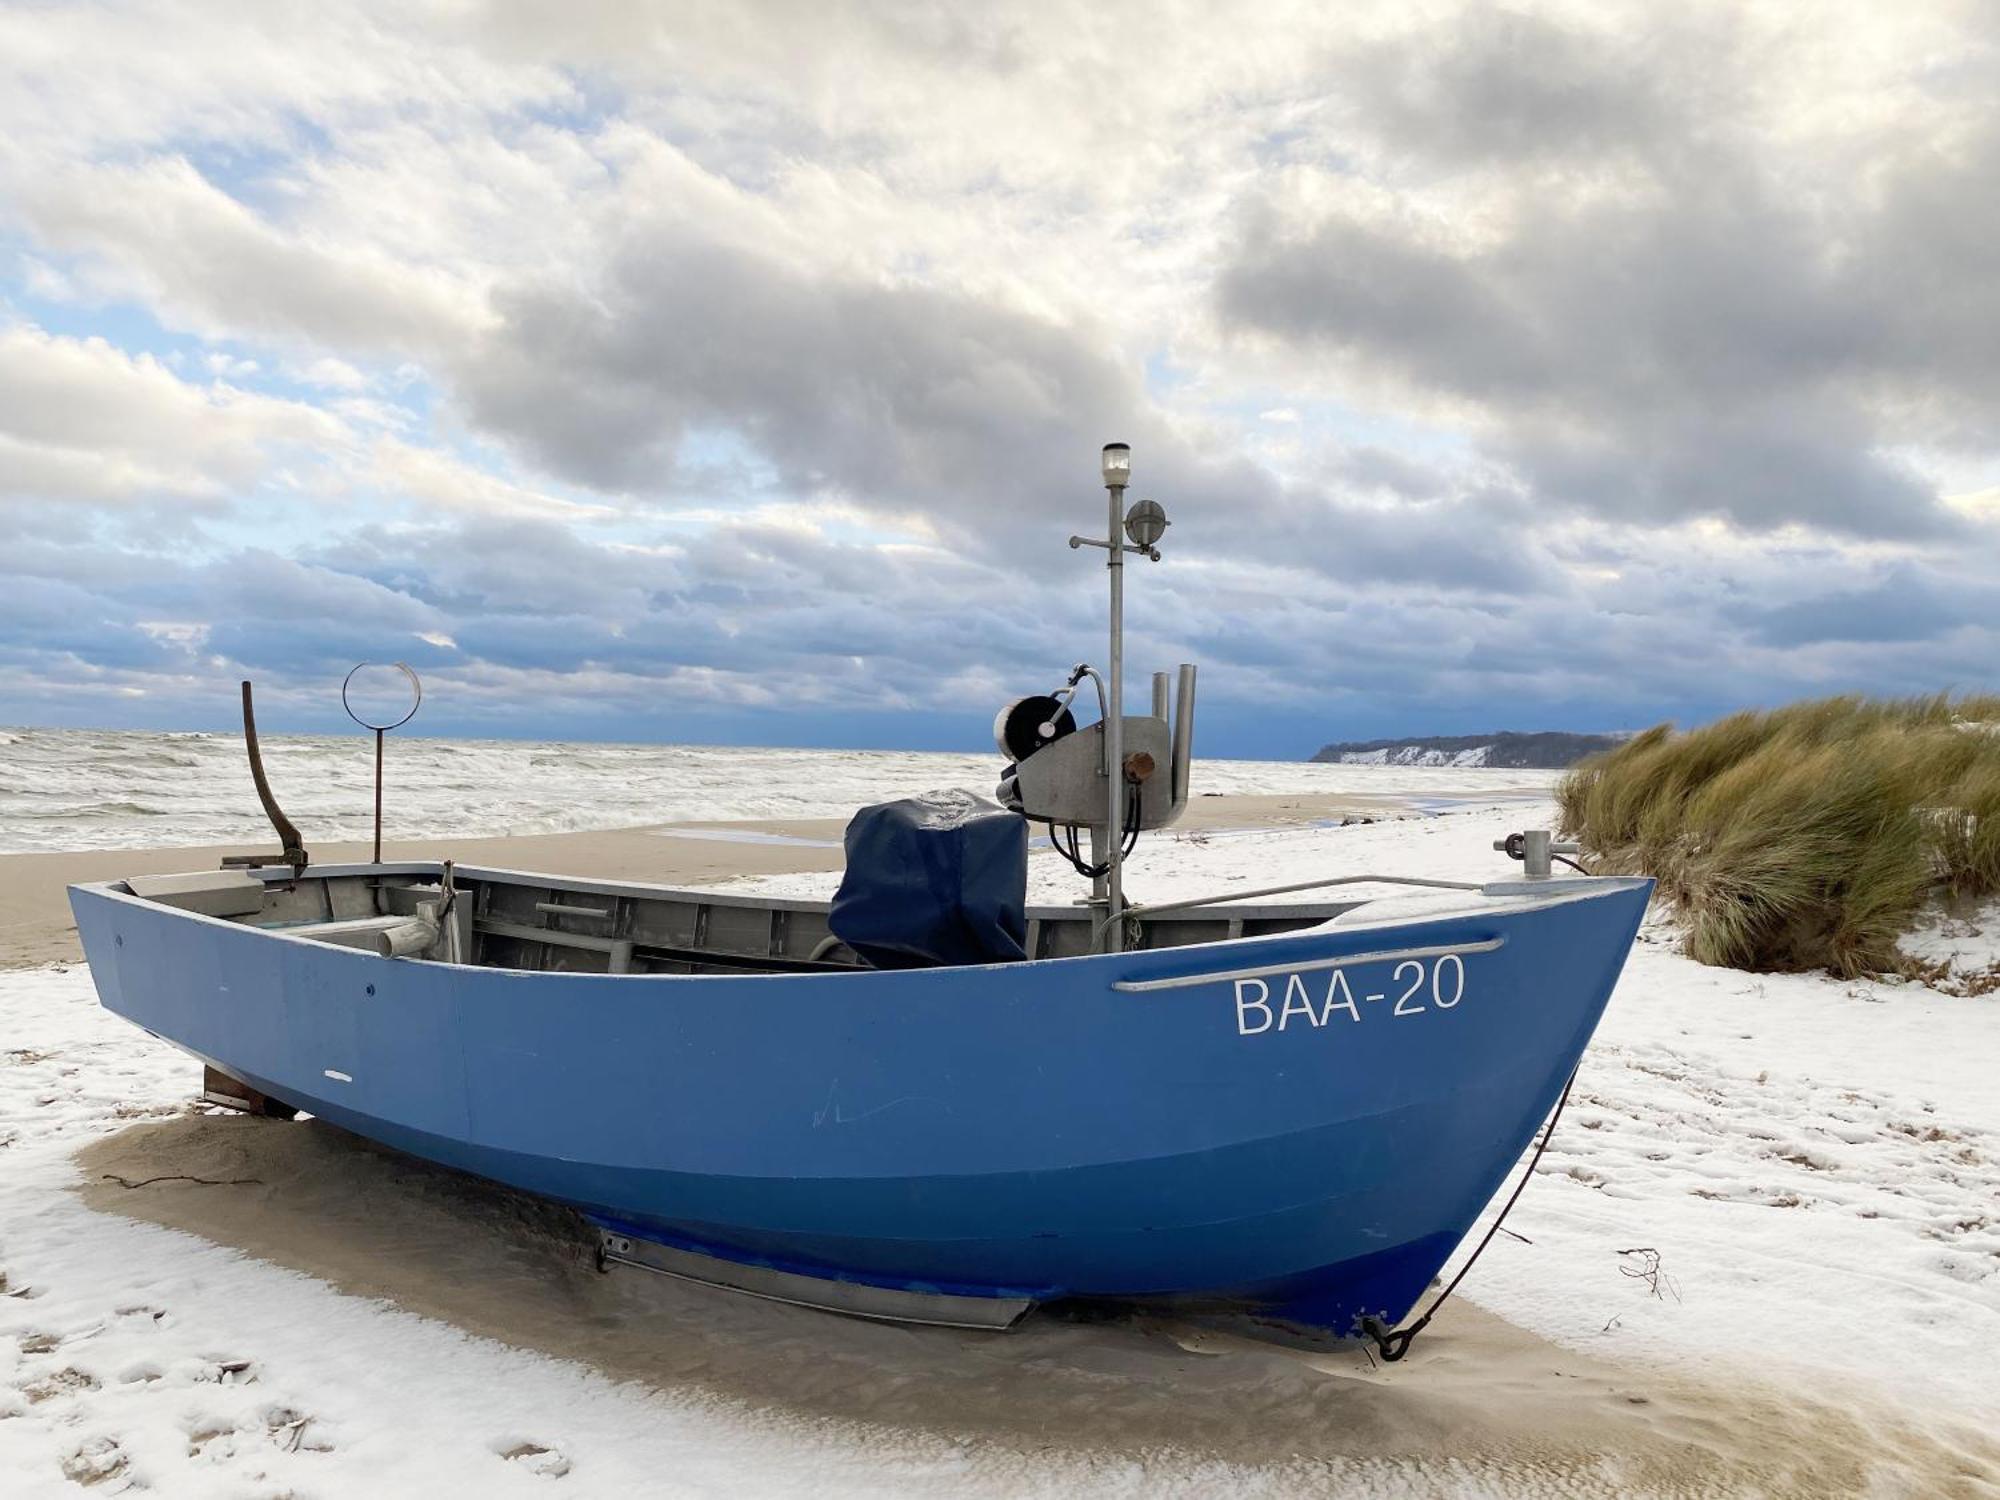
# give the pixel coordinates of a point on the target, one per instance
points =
(258, 1240)
(1478, 1395)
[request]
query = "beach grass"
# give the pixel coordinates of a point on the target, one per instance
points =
(1803, 837)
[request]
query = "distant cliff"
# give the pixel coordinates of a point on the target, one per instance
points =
(1549, 750)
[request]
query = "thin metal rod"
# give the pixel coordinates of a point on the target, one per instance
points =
(1156, 907)
(1083, 670)
(1307, 966)
(1114, 730)
(378, 796)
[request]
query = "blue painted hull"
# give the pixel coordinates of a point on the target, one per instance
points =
(1021, 1129)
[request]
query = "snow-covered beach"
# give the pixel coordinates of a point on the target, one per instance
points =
(1760, 1256)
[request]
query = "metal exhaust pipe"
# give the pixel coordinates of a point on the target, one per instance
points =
(408, 939)
(1160, 695)
(1183, 730)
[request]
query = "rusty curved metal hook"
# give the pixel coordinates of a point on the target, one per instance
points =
(294, 849)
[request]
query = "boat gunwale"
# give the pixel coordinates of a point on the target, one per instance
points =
(1515, 896)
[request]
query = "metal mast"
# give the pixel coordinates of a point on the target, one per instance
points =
(1144, 524)
(1117, 474)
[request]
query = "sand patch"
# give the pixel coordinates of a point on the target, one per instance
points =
(1484, 1404)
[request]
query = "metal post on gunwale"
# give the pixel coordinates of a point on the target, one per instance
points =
(381, 729)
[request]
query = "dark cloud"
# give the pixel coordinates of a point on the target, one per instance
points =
(791, 636)
(906, 397)
(1904, 606)
(913, 401)
(1506, 88)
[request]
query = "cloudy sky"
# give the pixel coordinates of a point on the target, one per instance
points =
(738, 372)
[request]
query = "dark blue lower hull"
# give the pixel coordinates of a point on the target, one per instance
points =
(1020, 1130)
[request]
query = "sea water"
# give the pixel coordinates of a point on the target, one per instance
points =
(122, 789)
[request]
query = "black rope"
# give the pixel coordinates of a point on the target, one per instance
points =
(1393, 1345)
(1127, 843)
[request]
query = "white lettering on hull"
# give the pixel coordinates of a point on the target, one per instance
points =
(1419, 989)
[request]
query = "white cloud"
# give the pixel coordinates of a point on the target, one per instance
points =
(431, 478)
(329, 374)
(81, 419)
(162, 233)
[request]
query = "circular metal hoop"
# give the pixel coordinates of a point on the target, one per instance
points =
(416, 695)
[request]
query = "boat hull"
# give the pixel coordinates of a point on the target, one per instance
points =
(1308, 1143)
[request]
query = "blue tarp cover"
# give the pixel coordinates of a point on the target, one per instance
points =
(936, 879)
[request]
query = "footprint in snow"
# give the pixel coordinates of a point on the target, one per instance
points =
(96, 1461)
(549, 1463)
(221, 1439)
(227, 1372)
(65, 1382)
(205, 1435)
(292, 1430)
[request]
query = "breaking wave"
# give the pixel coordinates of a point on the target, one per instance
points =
(97, 789)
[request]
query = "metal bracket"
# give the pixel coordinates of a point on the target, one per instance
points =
(1536, 850)
(1088, 541)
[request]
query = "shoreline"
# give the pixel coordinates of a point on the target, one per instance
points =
(36, 927)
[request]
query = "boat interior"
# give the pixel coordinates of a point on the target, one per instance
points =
(505, 919)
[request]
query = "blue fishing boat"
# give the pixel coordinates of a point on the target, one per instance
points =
(925, 1099)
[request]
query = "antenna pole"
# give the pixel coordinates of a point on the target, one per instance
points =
(381, 729)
